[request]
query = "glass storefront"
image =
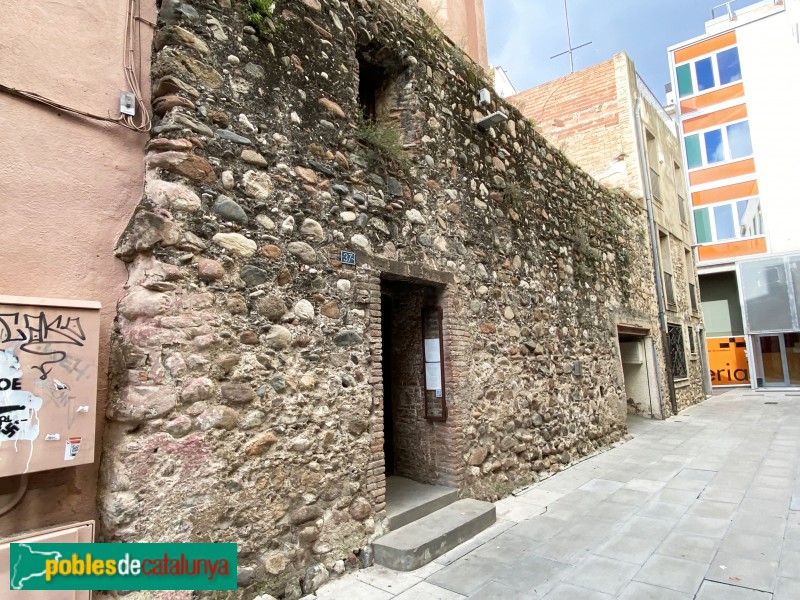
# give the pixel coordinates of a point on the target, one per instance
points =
(770, 290)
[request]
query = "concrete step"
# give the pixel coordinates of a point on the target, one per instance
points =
(408, 500)
(422, 541)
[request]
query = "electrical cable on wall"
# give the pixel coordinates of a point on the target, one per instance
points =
(141, 122)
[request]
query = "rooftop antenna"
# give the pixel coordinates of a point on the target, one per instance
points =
(569, 43)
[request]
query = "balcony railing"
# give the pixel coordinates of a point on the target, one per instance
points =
(669, 289)
(725, 9)
(693, 297)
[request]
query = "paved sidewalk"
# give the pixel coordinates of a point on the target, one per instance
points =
(705, 505)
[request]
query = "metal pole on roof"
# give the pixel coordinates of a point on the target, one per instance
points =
(570, 49)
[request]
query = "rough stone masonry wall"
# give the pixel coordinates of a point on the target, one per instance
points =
(247, 391)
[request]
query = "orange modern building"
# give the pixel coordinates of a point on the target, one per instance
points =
(739, 150)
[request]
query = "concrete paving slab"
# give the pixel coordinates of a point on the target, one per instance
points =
(387, 580)
(675, 496)
(684, 576)
(645, 527)
(468, 574)
(541, 497)
(767, 508)
(696, 548)
(711, 590)
(476, 542)
(722, 494)
(425, 591)
(758, 524)
(516, 510)
(426, 571)
(712, 510)
(621, 475)
(756, 547)
(603, 574)
(645, 485)
(735, 570)
(352, 589)
(768, 492)
(714, 528)
(629, 549)
(495, 590)
(613, 511)
(636, 590)
(505, 548)
(566, 591)
(787, 589)
(540, 528)
(564, 484)
(602, 486)
(535, 575)
(663, 511)
(789, 565)
(630, 497)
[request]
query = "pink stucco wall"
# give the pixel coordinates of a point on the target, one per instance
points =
(464, 22)
(68, 187)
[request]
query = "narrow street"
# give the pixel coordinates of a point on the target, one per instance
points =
(705, 505)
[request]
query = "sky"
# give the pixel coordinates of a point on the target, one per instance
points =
(524, 34)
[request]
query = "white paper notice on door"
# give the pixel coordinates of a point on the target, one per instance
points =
(432, 351)
(433, 376)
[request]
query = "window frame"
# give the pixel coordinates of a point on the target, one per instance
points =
(723, 129)
(684, 373)
(712, 221)
(435, 407)
(714, 68)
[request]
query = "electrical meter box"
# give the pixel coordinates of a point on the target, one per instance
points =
(48, 383)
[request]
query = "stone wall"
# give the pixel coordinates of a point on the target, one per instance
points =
(247, 398)
(590, 116)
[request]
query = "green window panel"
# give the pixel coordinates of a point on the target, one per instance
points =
(685, 85)
(702, 226)
(694, 157)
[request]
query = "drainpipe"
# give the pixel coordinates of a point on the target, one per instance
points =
(648, 197)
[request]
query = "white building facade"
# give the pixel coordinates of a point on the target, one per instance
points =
(736, 90)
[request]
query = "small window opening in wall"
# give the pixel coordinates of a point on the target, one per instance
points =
(371, 86)
(377, 82)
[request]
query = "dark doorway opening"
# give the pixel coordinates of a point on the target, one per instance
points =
(412, 420)
(387, 326)
(372, 83)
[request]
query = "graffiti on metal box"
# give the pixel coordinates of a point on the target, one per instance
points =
(48, 383)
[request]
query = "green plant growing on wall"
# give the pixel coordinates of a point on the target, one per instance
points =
(258, 13)
(385, 138)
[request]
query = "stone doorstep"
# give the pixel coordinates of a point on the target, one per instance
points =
(422, 541)
(408, 500)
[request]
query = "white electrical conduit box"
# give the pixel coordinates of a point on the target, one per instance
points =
(48, 383)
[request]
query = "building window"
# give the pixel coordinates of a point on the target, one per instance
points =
(721, 144)
(689, 260)
(677, 352)
(690, 335)
(709, 72)
(728, 221)
(652, 161)
(666, 268)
